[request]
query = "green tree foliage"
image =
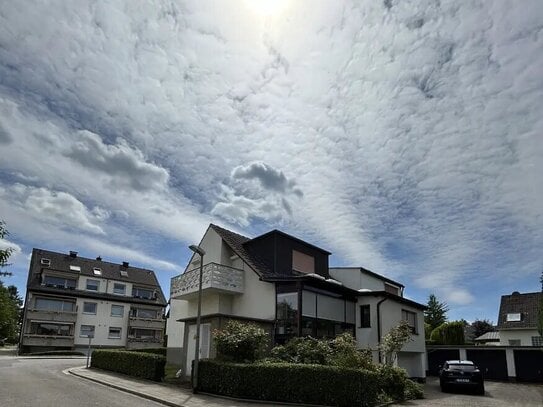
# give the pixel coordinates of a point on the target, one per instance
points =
(436, 312)
(393, 342)
(4, 253)
(481, 327)
(449, 333)
(240, 342)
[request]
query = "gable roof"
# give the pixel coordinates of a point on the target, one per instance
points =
(61, 262)
(525, 304)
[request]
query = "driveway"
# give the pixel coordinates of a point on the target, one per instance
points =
(497, 394)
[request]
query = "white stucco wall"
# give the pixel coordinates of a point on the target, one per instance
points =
(525, 336)
(175, 329)
(258, 299)
(102, 321)
(212, 245)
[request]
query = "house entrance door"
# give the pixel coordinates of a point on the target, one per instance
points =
(191, 345)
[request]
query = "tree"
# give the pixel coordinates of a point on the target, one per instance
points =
(449, 333)
(436, 313)
(393, 342)
(481, 327)
(4, 253)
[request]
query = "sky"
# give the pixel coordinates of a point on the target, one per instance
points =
(404, 136)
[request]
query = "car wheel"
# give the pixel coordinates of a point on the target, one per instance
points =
(481, 390)
(444, 388)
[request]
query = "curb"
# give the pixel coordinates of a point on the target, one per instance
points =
(124, 389)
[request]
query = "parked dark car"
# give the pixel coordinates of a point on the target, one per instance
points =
(461, 374)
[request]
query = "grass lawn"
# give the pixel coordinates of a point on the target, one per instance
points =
(169, 376)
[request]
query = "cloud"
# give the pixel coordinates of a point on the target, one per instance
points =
(56, 207)
(256, 190)
(125, 165)
(5, 138)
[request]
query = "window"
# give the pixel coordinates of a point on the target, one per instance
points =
(117, 311)
(50, 304)
(365, 321)
(86, 331)
(141, 333)
(142, 293)
(411, 319)
(302, 262)
(537, 340)
(59, 282)
(144, 313)
(45, 262)
(93, 285)
(119, 289)
(516, 317)
(97, 271)
(114, 333)
(75, 268)
(124, 273)
(50, 329)
(89, 308)
(514, 342)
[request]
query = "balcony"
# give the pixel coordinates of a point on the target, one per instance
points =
(56, 316)
(48, 340)
(146, 323)
(216, 278)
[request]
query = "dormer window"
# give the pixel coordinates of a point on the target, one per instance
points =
(75, 268)
(45, 262)
(514, 317)
(302, 262)
(97, 271)
(124, 273)
(389, 288)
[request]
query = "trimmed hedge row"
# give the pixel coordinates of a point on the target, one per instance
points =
(156, 351)
(293, 383)
(139, 364)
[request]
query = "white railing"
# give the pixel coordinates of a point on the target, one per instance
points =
(223, 278)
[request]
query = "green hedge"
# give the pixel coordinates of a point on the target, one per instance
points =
(139, 364)
(156, 351)
(293, 383)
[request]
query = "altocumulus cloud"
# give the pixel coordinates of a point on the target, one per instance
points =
(125, 165)
(256, 190)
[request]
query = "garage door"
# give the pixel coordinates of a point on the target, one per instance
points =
(436, 357)
(492, 362)
(529, 365)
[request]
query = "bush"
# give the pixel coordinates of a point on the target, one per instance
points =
(306, 350)
(240, 342)
(393, 382)
(413, 390)
(292, 383)
(139, 364)
(346, 354)
(155, 351)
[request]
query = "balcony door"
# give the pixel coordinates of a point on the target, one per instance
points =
(205, 331)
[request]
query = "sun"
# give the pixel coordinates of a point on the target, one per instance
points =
(267, 7)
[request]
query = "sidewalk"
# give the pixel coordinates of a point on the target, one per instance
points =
(167, 394)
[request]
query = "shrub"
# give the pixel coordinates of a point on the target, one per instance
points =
(240, 342)
(306, 350)
(155, 351)
(394, 341)
(139, 364)
(392, 381)
(346, 354)
(413, 390)
(293, 383)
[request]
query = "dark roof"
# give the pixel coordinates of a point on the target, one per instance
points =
(371, 273)
(283, 234)
(525, 304)
(111, 271)
(236, 241)
(394, 297)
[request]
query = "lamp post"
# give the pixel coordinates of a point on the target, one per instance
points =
(198, 250)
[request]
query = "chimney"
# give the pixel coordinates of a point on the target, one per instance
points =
(125, 264)
(99, 258)
(73, 254)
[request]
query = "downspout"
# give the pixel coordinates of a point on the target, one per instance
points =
(379, 326)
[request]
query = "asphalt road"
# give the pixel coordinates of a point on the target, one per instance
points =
(42, 383)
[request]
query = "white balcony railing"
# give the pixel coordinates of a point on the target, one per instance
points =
(215, 276)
